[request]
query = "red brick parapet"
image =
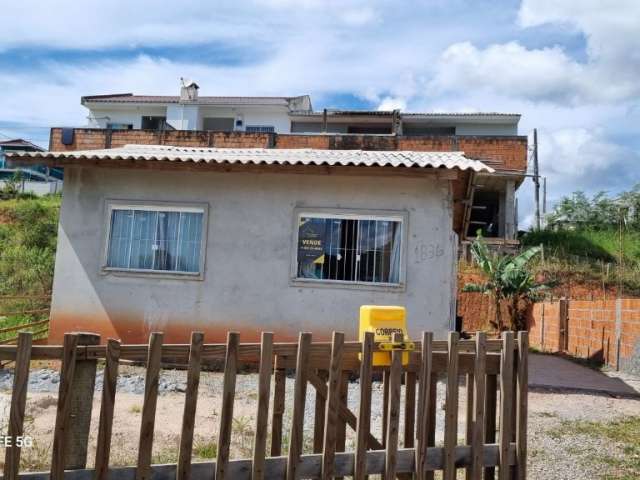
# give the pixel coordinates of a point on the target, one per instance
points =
(507, 153)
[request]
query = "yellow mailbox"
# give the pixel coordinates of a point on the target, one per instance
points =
(383, 321)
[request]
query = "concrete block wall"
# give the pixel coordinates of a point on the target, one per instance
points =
(606, 331)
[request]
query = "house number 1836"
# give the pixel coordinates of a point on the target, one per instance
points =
(428, 251)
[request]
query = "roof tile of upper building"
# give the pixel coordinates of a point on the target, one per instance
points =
(201, 100)
(510, 118)
(20, 143)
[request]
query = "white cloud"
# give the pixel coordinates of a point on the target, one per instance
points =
(97, 24)
(426, 56)
(609, 73)
(392, 103)
(577, 152)
(510, 69)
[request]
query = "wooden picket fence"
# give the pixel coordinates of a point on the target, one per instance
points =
(495, 435)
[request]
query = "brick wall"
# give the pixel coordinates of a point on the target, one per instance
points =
(476, 309)
(544, 326)
(593, 329)
(509, 153)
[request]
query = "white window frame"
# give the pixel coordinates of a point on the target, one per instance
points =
(157, 206)
(350, 214)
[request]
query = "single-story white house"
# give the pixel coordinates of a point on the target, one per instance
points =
(175, 239)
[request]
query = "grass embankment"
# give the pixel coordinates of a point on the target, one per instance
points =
(591, 257)
(28, 231)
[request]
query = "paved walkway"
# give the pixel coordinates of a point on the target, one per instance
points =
(550, 371)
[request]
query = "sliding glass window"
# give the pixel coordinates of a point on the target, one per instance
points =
(155, 239)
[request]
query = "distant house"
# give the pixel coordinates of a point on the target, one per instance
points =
(36, 179)
(190, 111)
(214, 230)
(494, 204)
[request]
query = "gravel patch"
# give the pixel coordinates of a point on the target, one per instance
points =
(555, 452)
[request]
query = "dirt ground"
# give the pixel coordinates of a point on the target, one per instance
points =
(569, 436)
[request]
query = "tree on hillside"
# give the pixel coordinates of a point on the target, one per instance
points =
(508, 279)
(598, 212)
(631, 201)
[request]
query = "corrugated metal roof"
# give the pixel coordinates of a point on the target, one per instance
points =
(20, 143)
(273, 156)
(414, 115)
(201, 100)
(342, 113)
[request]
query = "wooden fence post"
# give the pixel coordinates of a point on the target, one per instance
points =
(299, 398)
(107, 405)
(364, 414)
(148, 422)
(318, 419)
(522, 405)
(478, 413)
(183, 469)
(424, 399)
(490, 410)
(81, 401)
(262, 414)
(506, 404)
(331, 416)
(63, 409)
(393, 414)
(226, 412)
(451, 409)
(18, 403)
(279, 391)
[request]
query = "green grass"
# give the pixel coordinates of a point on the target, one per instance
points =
(205, 449)
(589, 257)
(599, 245)
(624, 432)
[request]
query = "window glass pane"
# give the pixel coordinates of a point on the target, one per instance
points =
(155, 240)
(121, 222)
(189, 242)
(142, 239)
(351, 250)
(166, 244)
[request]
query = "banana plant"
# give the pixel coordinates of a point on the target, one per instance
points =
(509, 278)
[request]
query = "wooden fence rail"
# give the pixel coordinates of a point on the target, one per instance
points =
(326, 367)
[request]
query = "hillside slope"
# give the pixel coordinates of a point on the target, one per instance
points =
(28, 234)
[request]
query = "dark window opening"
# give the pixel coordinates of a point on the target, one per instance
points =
(218, 124)
(373, 129)
(415, 130)
(485, 214)
(349, 250)
(120, 126)
(154, 123)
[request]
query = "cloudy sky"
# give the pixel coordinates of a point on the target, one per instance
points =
(571, 68)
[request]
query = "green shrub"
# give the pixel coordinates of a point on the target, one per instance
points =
(28, 230)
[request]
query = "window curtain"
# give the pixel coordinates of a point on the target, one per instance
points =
(151, 240)
(394, 270)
